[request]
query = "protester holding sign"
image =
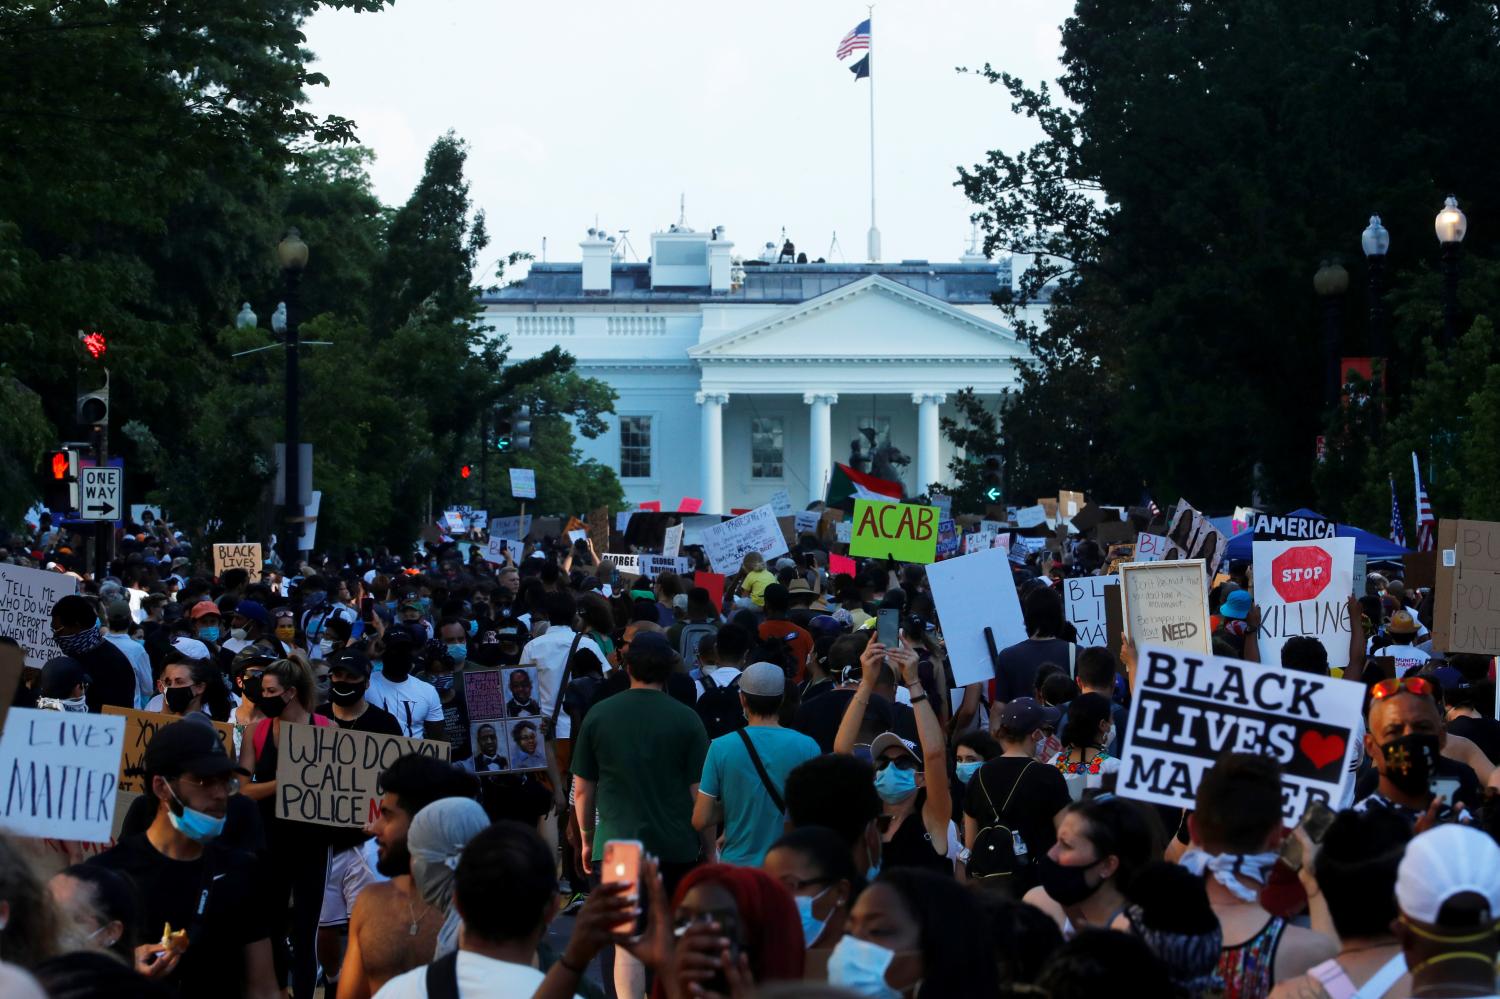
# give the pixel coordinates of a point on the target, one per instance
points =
(75, 628)
(1404, 740)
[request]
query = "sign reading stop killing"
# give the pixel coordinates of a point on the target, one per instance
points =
(1303, 589)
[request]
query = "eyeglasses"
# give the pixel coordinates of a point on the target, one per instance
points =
(229, 783)
(900, 763)
(1412, 685)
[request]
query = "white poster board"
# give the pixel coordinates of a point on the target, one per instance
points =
(1031, 516)
(1083, 603)
(26, 600)
(646, 565)
(806, 522)
(510, 527)
(1166, 603)
(672, 541)
(728, 543)
(58, 774)
(455, 521)
(1303, 588)
(972, 593)
(1188, 709)
(495, 548)
(523, 483)
(781, 503)
(1151, 547)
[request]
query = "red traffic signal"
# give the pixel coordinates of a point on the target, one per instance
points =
(465, 471)
(94, 343)
(60, 466)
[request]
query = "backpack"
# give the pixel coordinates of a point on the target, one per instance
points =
(998, 851)
(719, 707)
(687, 643)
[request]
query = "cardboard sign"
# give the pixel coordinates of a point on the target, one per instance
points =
(728, 543)
(1289, 528)
(1193, 536)
(1083, 603)
(1166, 603)
(903, 531)
(330, 776)
(26, 600)
(974, 593)
(1466, 612)
(689, 504)
(523, 483)
(1069, 504)
(58, 774)
(1188, 709)
(806, 522)
(510, 527)
(1031, 516)
(672, 542)
(140, 728)
(647, 565)
(1303, 588)
(239, 555)
(599, 527)
(1151, 547)
(495, 549)
(781, 503)
(713, 582)
(841, 565)
(12, 662)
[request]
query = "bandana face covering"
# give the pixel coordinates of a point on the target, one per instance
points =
(1409, 762)
(80, 644)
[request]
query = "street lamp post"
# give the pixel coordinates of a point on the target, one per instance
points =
(1376, 242)
(1331, 282)
(1451, 225)
(292, 254)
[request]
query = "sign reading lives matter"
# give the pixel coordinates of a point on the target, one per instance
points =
(1188, 710)
(240, 555)
(330, 776)
(26, 600)
(1303, 588)
(58, 774)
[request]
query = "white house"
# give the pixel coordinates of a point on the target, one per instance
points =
(739, 378)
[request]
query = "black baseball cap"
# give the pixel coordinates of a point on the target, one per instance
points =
(189, 746)
(350, 661)
(60, 676)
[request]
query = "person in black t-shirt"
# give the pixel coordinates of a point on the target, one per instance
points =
(1460, 703)
(1016, 666)
(189, 882)
(75, 628)
(819, 717)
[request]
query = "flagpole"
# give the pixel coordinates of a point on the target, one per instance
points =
(873, 240)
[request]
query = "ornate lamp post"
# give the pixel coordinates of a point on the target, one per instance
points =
(1451, 225)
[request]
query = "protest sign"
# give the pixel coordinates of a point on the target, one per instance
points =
(1114, 619)
(510, 527)
(694, 525)
(1091, 516)
(1303, 588)
(974, 595)
(1114, 532)
(1189, 709)
(523, 483)
(1466, 615)
(476, 520)
(26, 600)
(781, 503)
(947, 545)
(1291, 528)
(1193, 536)
(1049, 509)
(903, 531)
(240, 555)
(330, 776)
(650, 506)
(840, 565)
(495, 549)
(1083, 602)
(58, 774)
(806, 522)
(943, 502)
(1166, 603)
(484, 696)
(1150, 547)
(1031, 516)
(1069, 504)
(673, 541)
(140, 728)
(139, 510)
(713, 582)
(454, 521)
(689, 504)
(12, 661)
(648, 565)
(842, 531)
(599, 527)
(728, 543)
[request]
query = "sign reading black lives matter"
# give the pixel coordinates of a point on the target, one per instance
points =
(1189, 709)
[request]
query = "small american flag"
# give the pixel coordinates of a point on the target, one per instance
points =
(1398, 529)
(855, 40)
(1426, 525)
(1149, 502)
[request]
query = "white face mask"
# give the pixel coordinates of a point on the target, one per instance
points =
(239, 634)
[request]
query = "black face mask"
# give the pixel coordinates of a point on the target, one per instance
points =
(397, 665)
(250, 687)
(1410, 761)
(271, 707)
(1066, 885)
(178, 699)
(346, 696)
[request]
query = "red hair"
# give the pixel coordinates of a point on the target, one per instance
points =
(768, 918)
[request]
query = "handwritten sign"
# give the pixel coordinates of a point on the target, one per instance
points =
(26, 600)
(1166, 603)
(239, 555)
(947, 545)
(483, 694)
(599, 527)
(1303, 588)
(1151, 547)
(672, 541)
(973, 594)
(140, 728)
(1466, 614)
(728, 543)
(510, 527)
(1031, 516)
(523, 483)
(781, 503)
(330, 776)
(1188, 709)
(58, 774)
(495, 549)
(1083, 602)
(903, 531)
(806, 522)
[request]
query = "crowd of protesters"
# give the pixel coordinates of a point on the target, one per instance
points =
(747, 796)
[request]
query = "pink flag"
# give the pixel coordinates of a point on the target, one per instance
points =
(840, 565)
(689, 505)
(651, 506)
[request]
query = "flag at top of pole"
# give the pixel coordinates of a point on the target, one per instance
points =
(856, 41)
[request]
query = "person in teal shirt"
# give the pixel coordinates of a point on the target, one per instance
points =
(732, 789)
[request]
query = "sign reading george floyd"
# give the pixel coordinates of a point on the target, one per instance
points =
(239, 555)
(330, 776)
(1292, 528)
(1188, 709)
(1303, 589)
(58, 773)
(906, 532)
(26, 600)
(1166, 603)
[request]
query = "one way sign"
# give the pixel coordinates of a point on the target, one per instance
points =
(101, 492)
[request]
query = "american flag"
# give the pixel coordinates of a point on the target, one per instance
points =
(1426, 526)
(1149, 502)
(855, 40)
(1398, 529)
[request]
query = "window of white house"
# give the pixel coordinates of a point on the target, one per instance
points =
(766, 447)
(635, 447)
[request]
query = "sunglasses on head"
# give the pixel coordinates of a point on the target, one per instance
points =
(1412, 685)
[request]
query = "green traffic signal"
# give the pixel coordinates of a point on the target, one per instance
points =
(502, 444)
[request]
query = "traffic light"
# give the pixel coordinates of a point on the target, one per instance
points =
(93, 406)
(503, 431)
(94, 343)
(992, 478)
(464, 471)
(62, 480)
(522, 429)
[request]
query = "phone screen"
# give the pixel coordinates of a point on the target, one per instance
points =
(367, 609)
(889, 627)
(1316, 820)
(622, 862)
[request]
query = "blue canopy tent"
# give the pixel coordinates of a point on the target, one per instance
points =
(1365, 543)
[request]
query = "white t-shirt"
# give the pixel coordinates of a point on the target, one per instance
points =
(413, 702)
(549, 654)
(722, 675)
(479, 977)
(140, 662)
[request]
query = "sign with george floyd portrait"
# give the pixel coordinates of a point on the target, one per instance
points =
(505, 719)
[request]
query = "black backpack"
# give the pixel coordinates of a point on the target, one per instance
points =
(998, 851)
(719, 706)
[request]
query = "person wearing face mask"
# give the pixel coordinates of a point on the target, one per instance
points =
(191, 685)
(813, 864)
(837, 792)
(247, 626)
(1012, 800)
(1404, 738)
(63, 684)
(454, 636)
(205, 618)
(1100, 845)
(971, 750)
(414, 702)
(101, 912)
(914, 934)
(286, 627)
(189, 881)
(1083, 760)
(335, 636)
(75, 628)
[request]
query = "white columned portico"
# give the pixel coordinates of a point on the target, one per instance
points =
(929, 467)
(819, 442)
(712, 453)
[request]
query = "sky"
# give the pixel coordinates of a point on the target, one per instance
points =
(587, 109)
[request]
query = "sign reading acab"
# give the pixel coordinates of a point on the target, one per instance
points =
(907, 532)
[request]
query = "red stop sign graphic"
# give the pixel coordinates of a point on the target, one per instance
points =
(1301, 573)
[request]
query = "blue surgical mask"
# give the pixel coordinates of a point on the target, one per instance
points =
(966, 771)
(812, 926)
(376, 666)
(195, 825)
(860, 966)
(209, 633)
(894, 784)
(473, 627)
(458, 652)
(426, 603)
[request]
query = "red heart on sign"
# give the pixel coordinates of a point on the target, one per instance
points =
(1301, 573)
(1321, 749)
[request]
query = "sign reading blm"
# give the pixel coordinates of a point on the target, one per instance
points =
(1188, 710)
(1166, 603)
